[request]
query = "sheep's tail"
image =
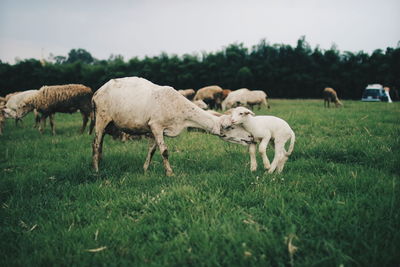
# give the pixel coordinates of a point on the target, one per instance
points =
(92, 117)
(291, 146)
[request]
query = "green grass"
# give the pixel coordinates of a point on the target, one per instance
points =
(338, 196)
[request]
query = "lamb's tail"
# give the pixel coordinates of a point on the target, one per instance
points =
(291, 146)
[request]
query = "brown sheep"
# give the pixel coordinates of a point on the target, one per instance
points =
(59, 98)
(211, 95)
(330, 95)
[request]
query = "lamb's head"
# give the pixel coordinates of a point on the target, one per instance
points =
(234, 133)
(240, 114)
(23, 108)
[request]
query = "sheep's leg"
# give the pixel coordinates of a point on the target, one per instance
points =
(97, 145)
(150, 153)
(253, 159)
(158, 135)
(37, 118)
(84, 122)
(262, 149)
(52, 124)
(92, 122)
(42, 122)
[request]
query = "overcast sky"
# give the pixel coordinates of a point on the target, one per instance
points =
(36, 28)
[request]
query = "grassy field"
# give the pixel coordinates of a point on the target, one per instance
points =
(337, 202)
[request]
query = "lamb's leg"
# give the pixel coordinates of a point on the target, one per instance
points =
(84, 122)
(97, 145)
(158, 135)
(262, 149)
(150, 153)
(253, 159)
(281, 164)
(52, 124)
(279, 154)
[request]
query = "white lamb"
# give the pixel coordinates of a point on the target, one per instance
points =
(265, 128)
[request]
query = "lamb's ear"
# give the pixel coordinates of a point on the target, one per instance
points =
(249, 113)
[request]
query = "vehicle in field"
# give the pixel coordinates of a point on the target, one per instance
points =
(374, 93)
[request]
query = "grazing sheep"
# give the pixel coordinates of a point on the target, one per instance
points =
(211, 95)
(256, 98)
(13, 100)
(330, 95)
(233, 98)
(59, 98)
(138, 106)
(265, 128)
(245, 97)
(188, 93)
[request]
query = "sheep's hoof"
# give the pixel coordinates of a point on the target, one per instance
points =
(169, 173)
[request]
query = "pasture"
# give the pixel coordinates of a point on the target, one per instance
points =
(336, 203)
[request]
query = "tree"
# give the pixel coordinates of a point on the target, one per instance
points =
(79, 55)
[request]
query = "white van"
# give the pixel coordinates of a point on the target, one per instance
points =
(374, 93)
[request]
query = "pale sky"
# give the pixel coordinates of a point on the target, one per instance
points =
(36, 28)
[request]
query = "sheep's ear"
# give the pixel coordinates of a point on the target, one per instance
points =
(226, 121)
(249, 113)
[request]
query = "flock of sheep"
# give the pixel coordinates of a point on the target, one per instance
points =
(135, 106)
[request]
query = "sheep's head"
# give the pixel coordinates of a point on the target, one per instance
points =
(338, 103)
(234, 133)
(240, 114)
(2, 113)
(23, 109)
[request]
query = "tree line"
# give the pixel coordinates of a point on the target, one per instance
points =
(282, 71)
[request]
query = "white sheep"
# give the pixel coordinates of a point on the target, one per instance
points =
(138, 106)
(13, 100)
(233, 98)
(265, 128)
(67, 98)
(245, 97)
